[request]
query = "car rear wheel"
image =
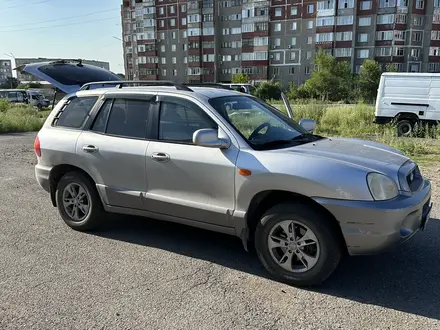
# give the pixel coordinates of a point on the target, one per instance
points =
(297, 244)
(78, 202)
(404, 128)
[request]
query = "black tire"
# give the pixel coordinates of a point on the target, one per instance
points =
(96, 213)
(319, 223)
(404, 128)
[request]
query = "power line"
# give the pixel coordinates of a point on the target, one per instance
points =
(28, 4)
(61, 25)
(60, 19)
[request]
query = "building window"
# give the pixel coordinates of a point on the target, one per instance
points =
(420, 4)
(329, 4)
(292, 56)
(434, 67)
(163, 60)
(363, 53)
(173, 48)
(275, 71)
(174, 72)
(385, 19)
(293, 41)
(434, 51)
(384, 35)
(435, 35)
(173, 22)
(277, 27)
(278, 12)
(307, 69)
(325, 21)
(417, 36)
(401, 19)
(343, 4)
(402, 3)
(399, 51)
(310, 24)
(344, 36)
(162, 49)
(387, 3)
(415, 53)
(418, 20)
(294, 26)
(366, 5)
(383, 51)
(324, 37)
(365, 21)
(293, 11)
(309, 55)
(310, 9)
(343, 52)
(183, 8)
(309, 40)
(292, 70)
(344, 20)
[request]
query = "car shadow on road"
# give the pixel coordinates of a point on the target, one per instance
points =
(406, 279)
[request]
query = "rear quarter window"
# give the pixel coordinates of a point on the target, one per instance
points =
(75, 112)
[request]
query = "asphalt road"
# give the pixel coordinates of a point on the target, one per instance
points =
(146, 274)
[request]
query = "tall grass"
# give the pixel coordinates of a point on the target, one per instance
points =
(357, 121)
(19, 118)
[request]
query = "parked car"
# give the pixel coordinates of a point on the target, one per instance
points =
(408, 99)
(14, 95)
(175, 153)
(37, 99)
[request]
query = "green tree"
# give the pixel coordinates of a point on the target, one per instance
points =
(10, 82)
(330, 80)
(368, 80)
(240, 78)
(390, 67)
(269, 90)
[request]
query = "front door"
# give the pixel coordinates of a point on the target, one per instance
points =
(114, 150)
(185, 180)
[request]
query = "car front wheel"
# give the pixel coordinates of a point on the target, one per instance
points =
(297, 244)
(78, 202)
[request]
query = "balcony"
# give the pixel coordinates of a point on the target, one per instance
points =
(255, 19)
(255, 3)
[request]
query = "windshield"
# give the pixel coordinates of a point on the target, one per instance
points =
(259, 123)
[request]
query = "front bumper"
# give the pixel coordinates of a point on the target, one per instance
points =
(374, 227)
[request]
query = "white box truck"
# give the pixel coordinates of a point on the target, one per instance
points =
(408, 98)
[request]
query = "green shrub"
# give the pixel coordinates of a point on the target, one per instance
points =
(19, 118)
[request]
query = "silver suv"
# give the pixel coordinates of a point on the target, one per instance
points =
(228, 162)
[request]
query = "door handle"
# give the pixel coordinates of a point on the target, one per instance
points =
(160, 156)
(90, 148)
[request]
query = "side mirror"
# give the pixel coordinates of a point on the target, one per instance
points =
(308, 124)
(208, 137)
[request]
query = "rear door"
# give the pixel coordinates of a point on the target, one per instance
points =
(113, 149)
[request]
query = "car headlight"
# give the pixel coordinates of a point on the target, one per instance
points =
(381, 186)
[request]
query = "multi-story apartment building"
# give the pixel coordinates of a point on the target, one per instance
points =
(210, 40)
(22, 76)
(5, 70)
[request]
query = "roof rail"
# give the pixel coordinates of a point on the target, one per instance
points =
(128, 83)
(212, 85)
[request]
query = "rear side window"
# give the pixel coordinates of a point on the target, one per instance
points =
(75, 112)
(123, 117)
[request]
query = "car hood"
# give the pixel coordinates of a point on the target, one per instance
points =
(367, 154)
(68, 76)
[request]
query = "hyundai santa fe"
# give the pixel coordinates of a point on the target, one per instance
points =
(224, 161)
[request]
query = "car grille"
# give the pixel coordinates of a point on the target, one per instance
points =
(414, 179)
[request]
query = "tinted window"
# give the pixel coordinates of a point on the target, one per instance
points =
(75, 112)
(101, 118)
(180, 118)
(71, 74)
(128, 118)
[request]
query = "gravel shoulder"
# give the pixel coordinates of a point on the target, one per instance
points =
(146, 274)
